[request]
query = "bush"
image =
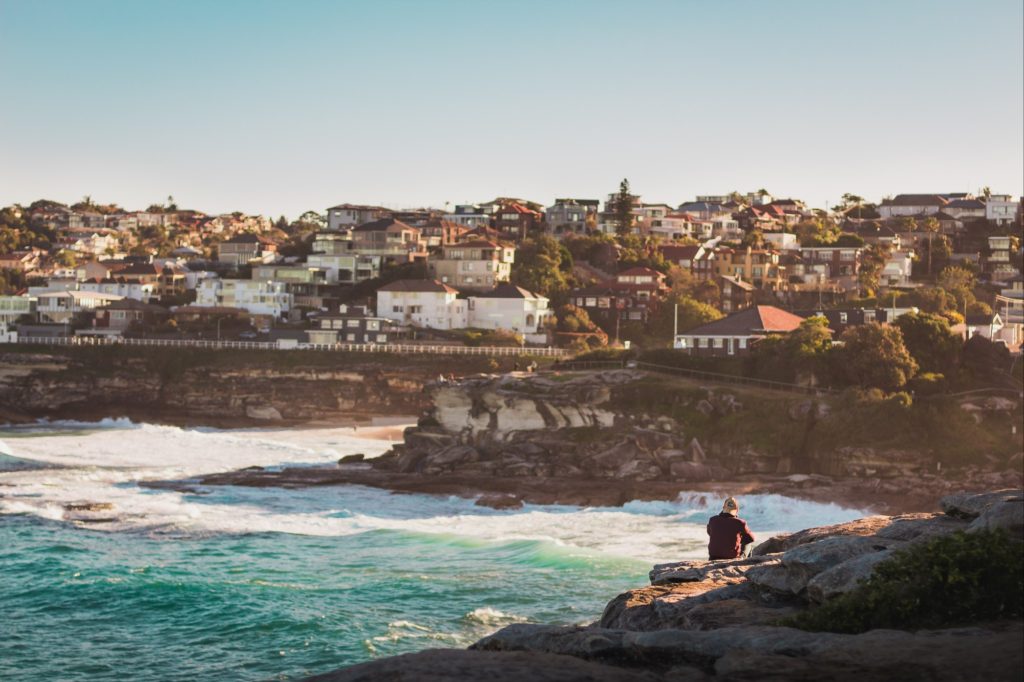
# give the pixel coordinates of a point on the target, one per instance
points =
(929, 383)
(953, 580)
(900, 399)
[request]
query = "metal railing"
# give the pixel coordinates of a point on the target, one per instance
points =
(401, 348)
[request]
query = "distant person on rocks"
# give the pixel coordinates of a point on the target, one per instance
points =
(730, 536)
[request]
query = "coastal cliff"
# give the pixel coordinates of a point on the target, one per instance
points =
(215, 388)
(785, 612)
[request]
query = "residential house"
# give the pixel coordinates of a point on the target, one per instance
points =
(572, 216)
(257, 297)
(25, 260)
(1011, 301)
(117, 286)
(759, 266)
(332, 243)
(912, 205)
(513, 308)
(344, 216)
(476, 264)
(838, 263)
(682, 256)
(841, 319)
(735, 334)
(1001, 209)
(515, 220)
(352, 324)
(965, 209)
(119, 316)
(949, 223)
(987, 325)
(393, 240)
(12, 308)
(437, 232)
(61, 307)
(349, 268)
(736, 294)
(705, 210)
(897, 270)
(422, 303)
(469, 216)
(781, 241)
(243, 249)
(673, 226)
(997, 262)
(873, 232)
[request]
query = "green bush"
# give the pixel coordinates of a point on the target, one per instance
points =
(928, 383)
(953, 580)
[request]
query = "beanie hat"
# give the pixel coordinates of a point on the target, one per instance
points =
(730, 506)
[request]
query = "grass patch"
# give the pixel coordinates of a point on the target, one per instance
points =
(954, 580)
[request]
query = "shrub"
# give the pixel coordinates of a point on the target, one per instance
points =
(952, 580)
(929, 383)
(900, 399)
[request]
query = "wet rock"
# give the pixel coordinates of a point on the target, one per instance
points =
(352, 459)
(500, 501)
(88, 506)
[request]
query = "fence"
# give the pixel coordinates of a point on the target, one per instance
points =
(269, 345)
(693, 374)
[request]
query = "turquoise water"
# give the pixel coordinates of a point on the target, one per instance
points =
(233, 583)
(89, 605)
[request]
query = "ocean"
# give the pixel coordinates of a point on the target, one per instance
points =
(235, 583)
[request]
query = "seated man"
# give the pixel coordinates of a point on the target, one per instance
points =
(730, 536)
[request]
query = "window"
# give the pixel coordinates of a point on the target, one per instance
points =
(372, 325)
(415, 309)
(350, 337)
(352, 324)
(718, 342)
(397, 309)
(382, 338)
(842, 318)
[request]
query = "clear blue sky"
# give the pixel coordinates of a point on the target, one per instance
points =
(278, 107)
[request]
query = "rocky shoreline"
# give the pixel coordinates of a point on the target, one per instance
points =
(718, 620)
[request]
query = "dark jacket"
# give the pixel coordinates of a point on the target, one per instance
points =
(728, 535)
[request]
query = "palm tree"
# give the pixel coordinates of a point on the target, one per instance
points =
(931, 226)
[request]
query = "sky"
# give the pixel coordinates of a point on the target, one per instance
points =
(285, 106)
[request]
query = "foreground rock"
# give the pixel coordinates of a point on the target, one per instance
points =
(719, 620)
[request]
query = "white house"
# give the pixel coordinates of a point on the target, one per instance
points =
(897, 269)
(513, 308)
(421, 303)
(781, 241)
(1001, 209)
(13, 307)
(134, 290)
(911, 205)
(62, 306)
(258, 297)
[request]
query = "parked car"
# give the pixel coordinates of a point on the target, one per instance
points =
(248, 336)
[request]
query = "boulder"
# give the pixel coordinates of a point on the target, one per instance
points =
(352, 459)
(665, 606)
(806, 561)
(500, 501)
(696, 571)
(734, 612)
(971, 505)
(844, 577)
(780, 543)
(1007, 514)
(920, 527)
(454, 665)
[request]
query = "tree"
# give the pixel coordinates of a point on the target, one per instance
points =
(543, 266)
(575, 320)
(906, 224)
(929, 340)
(874, 356)
(853, 200)
(804, 351)
(622, 209)
(931, 226)
(662, 319)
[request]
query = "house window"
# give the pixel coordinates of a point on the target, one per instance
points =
(397, 309)
(702, 342)
(743, 343)
(415, 309)
(350, 337)
(352, 324)
(718, 342)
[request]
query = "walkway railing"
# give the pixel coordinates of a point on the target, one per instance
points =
(402, 348)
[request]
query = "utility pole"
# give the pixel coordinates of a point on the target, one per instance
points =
(675, 325)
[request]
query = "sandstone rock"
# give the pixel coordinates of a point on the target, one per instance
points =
(971, 505)
(920, 527)
(780, 543)
(453, 665)
(808, 560)
(1007, 514)
(665, 606)
(845, 576)
(732, 613)
(696, 571)
(775, 577)
(262, 412)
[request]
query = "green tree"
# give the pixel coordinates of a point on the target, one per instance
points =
(853, 200)
(874, 356)
(931, 226)
(929, 340)
(543, 266)
(661, 320)
(622, 208)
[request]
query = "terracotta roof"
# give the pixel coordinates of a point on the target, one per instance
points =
(419, 285)
(756, 320)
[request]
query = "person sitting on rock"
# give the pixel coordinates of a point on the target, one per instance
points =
(730, 536)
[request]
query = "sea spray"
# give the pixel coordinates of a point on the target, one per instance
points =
(247, 583)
